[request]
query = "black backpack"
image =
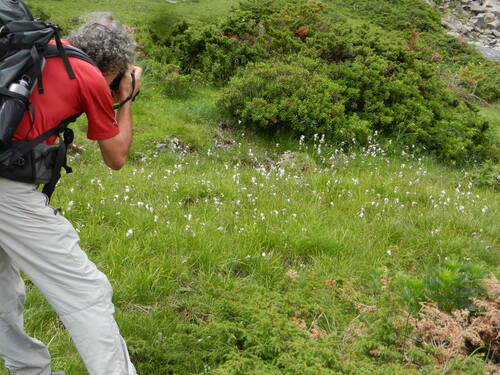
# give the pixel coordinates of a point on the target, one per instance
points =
(23, 50)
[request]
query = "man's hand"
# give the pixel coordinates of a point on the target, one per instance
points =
(126, 88)
(114, 150)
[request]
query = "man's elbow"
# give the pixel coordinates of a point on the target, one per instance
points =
(116, 164)
(114, 152)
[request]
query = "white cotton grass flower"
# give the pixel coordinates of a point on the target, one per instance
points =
(129, 233)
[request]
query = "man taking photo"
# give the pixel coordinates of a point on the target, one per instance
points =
(36, 239)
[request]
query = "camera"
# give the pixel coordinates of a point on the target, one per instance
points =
(115, 85)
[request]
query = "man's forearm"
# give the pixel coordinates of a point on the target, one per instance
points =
(124, 120)
(115, 150)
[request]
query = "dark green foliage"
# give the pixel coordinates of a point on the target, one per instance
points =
(286, 97)
(303, 67)
(255, 32)
(398, 14)
(352, 99)
(482, 79)
(487, 174)
(174, 83)
(208, 49)
(225, 334)
(241, 328)
(152, 46)
(450, 284)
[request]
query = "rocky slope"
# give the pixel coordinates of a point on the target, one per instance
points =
(476, 21)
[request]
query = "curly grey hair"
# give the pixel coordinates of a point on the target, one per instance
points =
(106, 41)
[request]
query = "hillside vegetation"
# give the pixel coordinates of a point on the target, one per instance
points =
(303, 176)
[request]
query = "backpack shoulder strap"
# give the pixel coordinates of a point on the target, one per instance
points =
(60, 50)
(53, 51)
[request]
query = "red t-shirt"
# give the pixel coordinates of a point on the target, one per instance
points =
(64, 97)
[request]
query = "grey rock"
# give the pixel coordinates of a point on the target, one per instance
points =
(161, 146)
(490, 53)
(455, 34)
(489, 17)
(495, 25)
(451, 22)
(476, 8)
(476, 21)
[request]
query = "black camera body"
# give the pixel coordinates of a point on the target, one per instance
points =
(115, 85)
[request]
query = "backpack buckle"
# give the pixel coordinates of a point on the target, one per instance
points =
(19, 162)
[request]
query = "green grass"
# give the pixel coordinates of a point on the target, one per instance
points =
(215, 233)
(239, 246)
(157, 14)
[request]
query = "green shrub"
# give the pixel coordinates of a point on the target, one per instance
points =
(450, 284)
(257, 31)
(291, 98)
(488, 175)
(174, 84)
(299, 67)
(151, 46)
(482, 79)
(399, 15)
(208, 49)
(405, 101)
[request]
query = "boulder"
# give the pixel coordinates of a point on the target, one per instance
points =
(490, 53)
(475, 8)
(478, 21)
(468, 29)
(495, 25)
(489, 17)
(450, 22)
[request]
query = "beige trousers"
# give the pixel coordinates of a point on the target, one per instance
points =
(45, 246)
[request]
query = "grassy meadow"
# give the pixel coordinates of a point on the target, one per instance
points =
(233, 253)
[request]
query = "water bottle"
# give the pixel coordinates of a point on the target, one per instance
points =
(12, 110)
(21, 88)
